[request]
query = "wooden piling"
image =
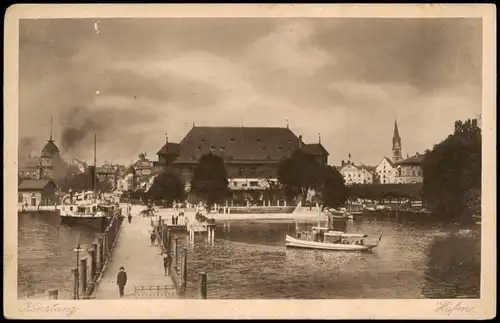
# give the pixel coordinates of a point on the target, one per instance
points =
(203, 285)
(177, 253)
(184, 269)
(83, 277)
(53, 294)
(99, 261)
(92, 256)
(75, 283)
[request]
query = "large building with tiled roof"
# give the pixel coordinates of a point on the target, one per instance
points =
(251, 154)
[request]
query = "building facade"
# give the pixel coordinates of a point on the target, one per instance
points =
(385, 172)
(35, 192)
(409, 170)
(356, 174)
(252, 155)
(108, 173)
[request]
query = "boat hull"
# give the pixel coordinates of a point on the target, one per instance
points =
(298, 243)
(96, 223)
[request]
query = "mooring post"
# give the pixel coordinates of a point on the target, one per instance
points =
(104, 248)
(83, 276)
(184, 270)
(176, 252)
(53, 294)
(93, 262)
(100, 259)
(203, 285)
(75, 283)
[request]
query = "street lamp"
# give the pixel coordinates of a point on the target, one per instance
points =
(77, 250)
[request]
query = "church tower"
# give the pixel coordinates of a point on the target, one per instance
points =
(49, 152)
(396, 144)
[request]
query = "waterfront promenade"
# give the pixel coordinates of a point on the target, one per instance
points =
(142, 262)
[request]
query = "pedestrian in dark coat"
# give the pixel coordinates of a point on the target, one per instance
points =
(167, 260)
(121, 280)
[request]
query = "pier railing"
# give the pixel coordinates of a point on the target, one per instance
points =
(94, 260)
(178, 269)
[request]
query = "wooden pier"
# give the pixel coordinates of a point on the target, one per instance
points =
(128, 245)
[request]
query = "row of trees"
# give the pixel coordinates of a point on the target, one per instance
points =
(297, 176)
(451, 187)
(452, 173)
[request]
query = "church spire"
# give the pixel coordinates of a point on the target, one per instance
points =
(50, 139)
(396, 131)
(396, 144)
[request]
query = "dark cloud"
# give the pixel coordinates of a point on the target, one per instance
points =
(139, 78)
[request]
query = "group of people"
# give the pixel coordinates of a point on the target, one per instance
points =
(179, 218)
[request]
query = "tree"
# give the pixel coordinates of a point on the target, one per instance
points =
(452, 173)
(333, 192)
(168, 187)
(299, 173)
(209, 180)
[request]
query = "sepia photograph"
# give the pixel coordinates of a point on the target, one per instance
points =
(273, 158)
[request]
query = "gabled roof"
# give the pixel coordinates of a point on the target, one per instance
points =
(269, 144)
(169, 148)
(413, 160)
(34, 184)
(315, 149)
(388, 160)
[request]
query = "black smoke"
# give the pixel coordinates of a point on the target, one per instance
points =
(80, 123)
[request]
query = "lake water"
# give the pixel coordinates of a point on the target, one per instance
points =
(415, 259)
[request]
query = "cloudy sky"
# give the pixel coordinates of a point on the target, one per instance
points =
(133, 80)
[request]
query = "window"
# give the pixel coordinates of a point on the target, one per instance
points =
(242, 170)
(20, 198)
(254, 170)
(254, 183)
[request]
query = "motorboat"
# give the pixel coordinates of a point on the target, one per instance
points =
(332, 237)
(331, 240)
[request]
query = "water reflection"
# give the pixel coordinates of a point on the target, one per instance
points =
(416, 258)
(45, 253)
(455, 273)
(249, 260)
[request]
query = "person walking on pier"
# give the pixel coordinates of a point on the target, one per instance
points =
(167, 260)
(121, 280)
(153, 238)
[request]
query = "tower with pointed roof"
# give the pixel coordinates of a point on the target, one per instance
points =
(48, 153)
(396, 144)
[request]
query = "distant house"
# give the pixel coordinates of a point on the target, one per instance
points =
(386, 171)
(34, 192)
(409, 170)
(107, 172)
(356, 174)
